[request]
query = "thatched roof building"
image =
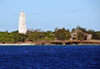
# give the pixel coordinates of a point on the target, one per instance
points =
(86, 36)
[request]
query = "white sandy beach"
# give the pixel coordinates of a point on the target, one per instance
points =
(19, 44)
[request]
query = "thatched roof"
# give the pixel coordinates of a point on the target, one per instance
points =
(80, 31)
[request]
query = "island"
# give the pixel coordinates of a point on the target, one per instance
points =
(78, 35)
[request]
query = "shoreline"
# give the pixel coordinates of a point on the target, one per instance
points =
(44, 44)
(18, 44)
(75, 42)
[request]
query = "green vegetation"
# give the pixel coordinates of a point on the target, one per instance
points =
(62, 34)
(95, 34)
(38, 35)
(73, 30)
(34, 36)
(80, 36)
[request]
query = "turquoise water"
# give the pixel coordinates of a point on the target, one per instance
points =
(50, 57)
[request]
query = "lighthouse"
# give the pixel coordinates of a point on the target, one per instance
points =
(22, 23)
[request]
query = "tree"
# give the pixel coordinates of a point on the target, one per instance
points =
(15, 31)
(95, 35)
(72, 30)
(15, 37)
(68, 35)
(82, 29)
(56, 29)
(98, 35)
(36, 35)
(7, 31)
(60, 34)
(68, 31)
(80, 36)
(47, 34)
(29, 31)
(38, 30)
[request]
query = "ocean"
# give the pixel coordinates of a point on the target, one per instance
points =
(50, 57)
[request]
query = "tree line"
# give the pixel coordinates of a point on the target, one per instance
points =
(38, 35)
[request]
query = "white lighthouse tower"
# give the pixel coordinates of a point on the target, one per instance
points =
(22, 23)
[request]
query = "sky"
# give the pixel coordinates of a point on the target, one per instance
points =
(48, 14)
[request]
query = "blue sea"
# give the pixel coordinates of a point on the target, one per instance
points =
(50, 57)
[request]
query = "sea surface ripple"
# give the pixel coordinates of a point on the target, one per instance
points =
(50, 57)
